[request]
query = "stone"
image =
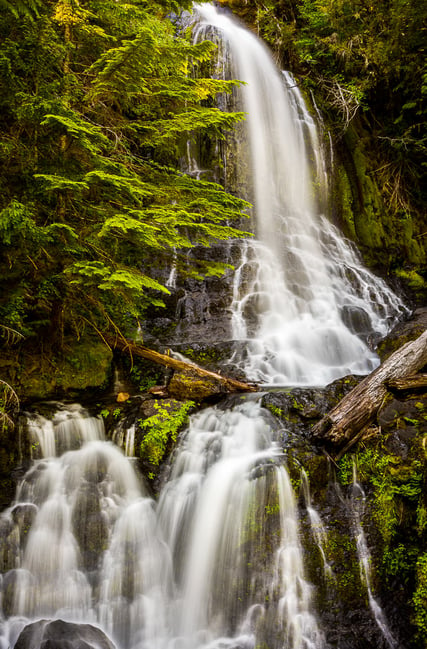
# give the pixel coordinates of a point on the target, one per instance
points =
(58, 634)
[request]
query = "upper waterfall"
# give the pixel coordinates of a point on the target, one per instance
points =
(303, 304)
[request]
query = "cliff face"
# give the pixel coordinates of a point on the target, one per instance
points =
(360, 67)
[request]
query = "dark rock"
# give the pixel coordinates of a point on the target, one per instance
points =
(401, 414)
(403, 333)
(90, 525)
(357, 320)
(297, 408)
(57, 634)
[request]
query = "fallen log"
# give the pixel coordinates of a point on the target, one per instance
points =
(412, 383)
(359, 406)
(215, 383)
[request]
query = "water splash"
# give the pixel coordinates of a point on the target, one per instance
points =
(67, 429)
(80, 542)
(218, 564)
(300, 290)
(124, 436)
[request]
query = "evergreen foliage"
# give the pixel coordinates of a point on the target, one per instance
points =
(364, 59)
(97, 97)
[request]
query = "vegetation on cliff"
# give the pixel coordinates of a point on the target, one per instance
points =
(364, 63)
(96, 97)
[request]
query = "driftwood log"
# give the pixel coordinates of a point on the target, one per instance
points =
(356, 410)
(413, 383)
(195, 380)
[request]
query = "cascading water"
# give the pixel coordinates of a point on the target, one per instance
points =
(225, 481)
(300, 287)
(316, 525)
(357, 506)
(218, 563)
(80, 541)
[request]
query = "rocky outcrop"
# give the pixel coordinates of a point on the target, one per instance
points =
(57, 634)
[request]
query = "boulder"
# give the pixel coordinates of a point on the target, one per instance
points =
(58, 634)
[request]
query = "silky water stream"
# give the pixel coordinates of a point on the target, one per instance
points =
(303, 306)
(217, 561)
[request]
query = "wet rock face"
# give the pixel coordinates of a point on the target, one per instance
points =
(58, 634)
(198, 311)
(299, 408)
(89, 525)
(404, 332)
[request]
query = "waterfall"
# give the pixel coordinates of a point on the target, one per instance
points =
(303, 305)
(216, 563)
(317, 527)
(68, 428)
(357, 506)
(227, 500)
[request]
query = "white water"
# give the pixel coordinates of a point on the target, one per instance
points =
(357, 506)
(225, 480)
(67, 429)
(218, 563)
(317, 527)
(299, 281)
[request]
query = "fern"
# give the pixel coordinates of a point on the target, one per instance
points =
(61, 183)
(29, 8)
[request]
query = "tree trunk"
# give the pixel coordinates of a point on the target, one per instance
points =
(360, 405)
(413, 383)
(215, 383)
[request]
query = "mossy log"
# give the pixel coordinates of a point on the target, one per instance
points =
(358, 407)
(215, 383)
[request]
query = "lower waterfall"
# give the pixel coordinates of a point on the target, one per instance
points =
(217, 563)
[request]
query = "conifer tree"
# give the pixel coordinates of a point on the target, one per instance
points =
(99, 95)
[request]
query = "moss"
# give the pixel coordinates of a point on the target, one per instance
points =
(343, 195)
(342, 553)
(413, 279)
(420, 598)
(161, 429)
(84, 365)
(387, 236)
(87, 365)
(277, 412)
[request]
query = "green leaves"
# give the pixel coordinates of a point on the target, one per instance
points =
(162, 428)
(93, 202)
(88, 136)
(61, 183)
(106, 278)
(29, 8)
(17, 223)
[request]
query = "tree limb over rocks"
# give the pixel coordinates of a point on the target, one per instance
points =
(345, 422)
(189, 381)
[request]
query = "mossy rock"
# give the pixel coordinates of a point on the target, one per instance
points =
(85, 365)
(190, 385)
(404, 332)
(157, 432)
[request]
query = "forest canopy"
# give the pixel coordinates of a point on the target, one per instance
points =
(97, 98)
